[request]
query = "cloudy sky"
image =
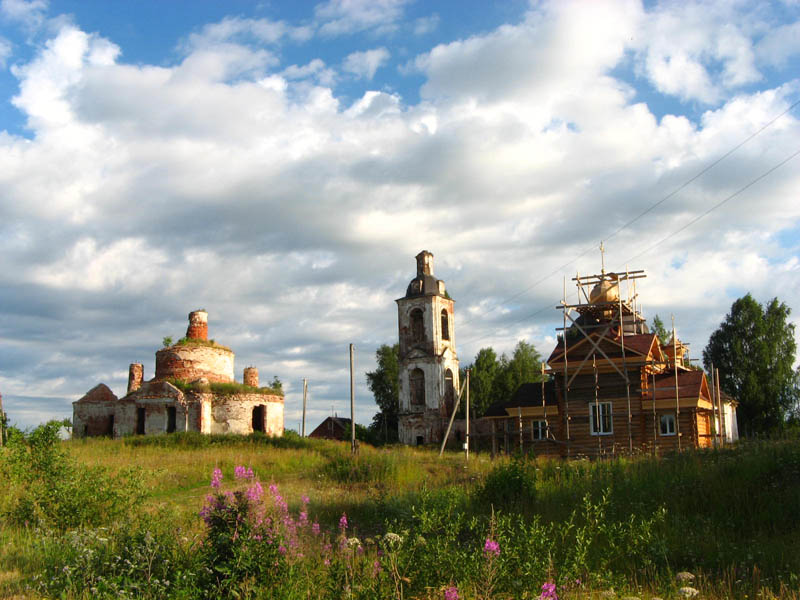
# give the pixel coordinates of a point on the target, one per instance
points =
(281, 163)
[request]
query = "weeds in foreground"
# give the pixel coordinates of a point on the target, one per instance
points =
(528, 529)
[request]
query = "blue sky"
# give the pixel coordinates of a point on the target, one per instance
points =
(281, 164)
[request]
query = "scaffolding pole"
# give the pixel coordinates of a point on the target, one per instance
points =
(566, 375)
(677, 395)
(624, 362)
(597, 407)
(544, 408)
(655, 419)
(452, 417)
(723, 426)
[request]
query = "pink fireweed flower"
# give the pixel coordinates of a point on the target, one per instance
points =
(216, 478)
(491, 548)
(376, 568)
(302, 520)
(451, 593)
(305, 499)
(315, 528)
(242, 472)
(254, 492)
(343, 522)
(548, 591)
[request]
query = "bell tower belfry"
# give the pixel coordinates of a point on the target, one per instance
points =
(428, 360)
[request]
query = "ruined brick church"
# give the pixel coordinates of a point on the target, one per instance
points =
(193, 390)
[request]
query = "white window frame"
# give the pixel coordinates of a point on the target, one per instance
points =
(605, 410)
(538, 430)
(661, 425)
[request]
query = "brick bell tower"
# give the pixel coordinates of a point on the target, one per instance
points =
(428, 360)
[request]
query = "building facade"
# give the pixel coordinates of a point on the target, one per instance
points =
(193, 390)
(429, 377)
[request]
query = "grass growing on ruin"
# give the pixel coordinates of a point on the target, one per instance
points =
(184, 341)
(728, 516)
(224, 389)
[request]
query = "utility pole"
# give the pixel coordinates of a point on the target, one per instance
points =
(2, 422)
(305, 395)
(352, 403)
(466, 444)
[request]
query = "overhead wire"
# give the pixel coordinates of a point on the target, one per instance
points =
(661, 241)
(624, 226)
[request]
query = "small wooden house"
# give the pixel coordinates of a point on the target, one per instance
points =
(332, 428)
(613, 387)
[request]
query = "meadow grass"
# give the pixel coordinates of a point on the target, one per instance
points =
(730, 516)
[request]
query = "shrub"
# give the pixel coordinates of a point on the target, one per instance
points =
(509, 484)
(47, 487)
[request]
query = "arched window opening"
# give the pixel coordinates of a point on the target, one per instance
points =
(449, 392)
(445, 325)
(417, 327)
(417, 384)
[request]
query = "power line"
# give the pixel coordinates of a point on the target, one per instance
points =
(717, 205)
(705, 170)
(671, 235)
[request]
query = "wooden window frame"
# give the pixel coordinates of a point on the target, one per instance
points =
(606, 411)
(661, 425)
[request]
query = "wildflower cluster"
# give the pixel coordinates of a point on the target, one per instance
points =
(548, 591)
(491, 548)
(250, 533)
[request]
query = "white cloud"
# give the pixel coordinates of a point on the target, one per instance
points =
(315, 69)
(425, 25)
(558, 49)
(5, 51)
(364, 64)
(340, 17)
(232, 181)
(241, 29)
(698, 50)
(779, 44)
(29, 13)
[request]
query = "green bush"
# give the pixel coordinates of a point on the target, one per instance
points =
(47, 487)
(509, 484)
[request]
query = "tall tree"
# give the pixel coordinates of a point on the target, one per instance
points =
(661, 331)
(384, 382)
(481, 381)
(524, 366)
(754, 350)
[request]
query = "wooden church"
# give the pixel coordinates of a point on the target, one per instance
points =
(612, 386)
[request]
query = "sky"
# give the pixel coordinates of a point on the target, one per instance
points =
(280, 164)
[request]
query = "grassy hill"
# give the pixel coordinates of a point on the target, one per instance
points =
(105, 518)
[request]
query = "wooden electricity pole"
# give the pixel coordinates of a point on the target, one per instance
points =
(352, 404)
(305, 396)
(2, 421)
(466, 444)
